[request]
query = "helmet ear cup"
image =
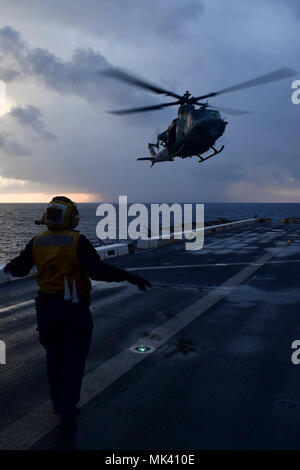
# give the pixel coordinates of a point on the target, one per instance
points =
(74, 217)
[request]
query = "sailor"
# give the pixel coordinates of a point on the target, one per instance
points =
(65, 262)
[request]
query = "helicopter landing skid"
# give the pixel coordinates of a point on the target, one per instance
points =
(212, 155)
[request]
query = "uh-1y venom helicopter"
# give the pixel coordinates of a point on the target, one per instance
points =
(194, 131)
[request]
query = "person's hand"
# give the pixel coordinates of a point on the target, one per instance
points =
(139, 281)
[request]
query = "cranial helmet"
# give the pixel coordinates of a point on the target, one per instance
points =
(61, 213)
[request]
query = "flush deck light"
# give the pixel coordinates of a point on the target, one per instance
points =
(142, 349)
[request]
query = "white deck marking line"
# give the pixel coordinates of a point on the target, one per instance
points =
(23, 433)
(26, 303)
(221, 265)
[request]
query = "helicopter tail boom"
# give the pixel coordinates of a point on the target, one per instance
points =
(146, 158)
(150, 159)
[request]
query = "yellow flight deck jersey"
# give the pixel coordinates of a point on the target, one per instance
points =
(61, 255)
(55, 255)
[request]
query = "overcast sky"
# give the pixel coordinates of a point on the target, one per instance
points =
(55, 134)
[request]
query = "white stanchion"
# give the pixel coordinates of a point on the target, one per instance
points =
(119, 249)
(146, 243)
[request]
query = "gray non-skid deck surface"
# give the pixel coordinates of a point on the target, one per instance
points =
(223, 381)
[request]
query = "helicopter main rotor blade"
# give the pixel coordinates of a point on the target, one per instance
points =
(234, 112)
(144, 108)
(269, 77)
(132, 80)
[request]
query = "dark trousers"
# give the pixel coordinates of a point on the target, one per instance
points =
(65, 330)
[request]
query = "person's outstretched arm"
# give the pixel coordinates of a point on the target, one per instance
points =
(98, 271)
(22, 264)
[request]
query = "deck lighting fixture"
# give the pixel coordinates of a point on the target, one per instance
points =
(142, 349)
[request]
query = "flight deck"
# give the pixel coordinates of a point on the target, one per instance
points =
(203, 360)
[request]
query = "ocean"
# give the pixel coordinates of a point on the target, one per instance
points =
(17, 220)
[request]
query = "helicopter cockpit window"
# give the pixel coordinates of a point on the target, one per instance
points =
(214, 113)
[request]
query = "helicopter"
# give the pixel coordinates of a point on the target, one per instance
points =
(195, 130)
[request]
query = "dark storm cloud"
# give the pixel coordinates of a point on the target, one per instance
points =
(128, 21)
(181, 44)
(77, 76)
(12, 58)
(11, 147)
(31, 116)
(292, 6)
(80, 76)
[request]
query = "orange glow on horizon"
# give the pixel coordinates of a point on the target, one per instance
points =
(44, 197)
